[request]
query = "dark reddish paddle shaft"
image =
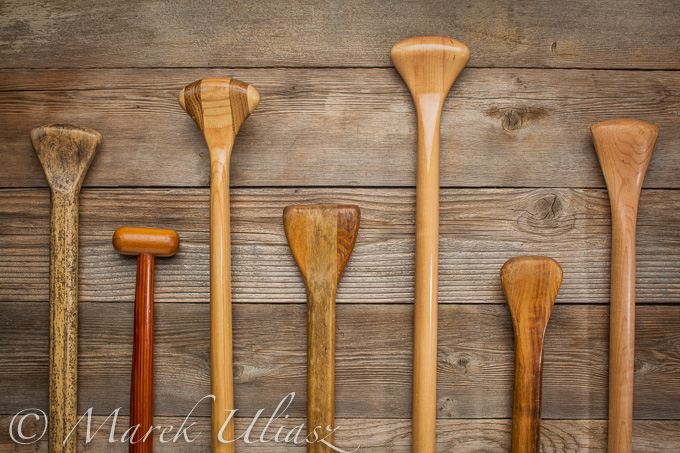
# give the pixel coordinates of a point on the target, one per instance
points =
(141, 395)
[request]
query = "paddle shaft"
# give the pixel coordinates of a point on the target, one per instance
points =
(141, 394)
(624, 148)
(63, 375)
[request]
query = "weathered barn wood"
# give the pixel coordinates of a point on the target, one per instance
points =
(373, 359)
(343, 127)
(480, 229)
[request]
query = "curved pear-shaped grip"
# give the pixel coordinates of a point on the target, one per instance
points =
(624, 148)
(531, 284)
(65, 153)
(219, 107)
(429, 65)
(321, 239)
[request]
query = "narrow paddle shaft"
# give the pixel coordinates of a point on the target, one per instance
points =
(531, 284)
(624, 148)
(321, 239)
(141, 394)
(219, 107)
(65, 153)
(429, 65)
(146, 243)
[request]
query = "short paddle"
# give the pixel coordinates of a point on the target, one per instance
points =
(429, 65)
(321, 239)
(219, 107)
(624, 148)
(145, 243)
(531, 284)
(65, 153)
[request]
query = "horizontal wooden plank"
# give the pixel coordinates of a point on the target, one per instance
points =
(375, 435)
(343, 127)
(184, 33)
(480, 230)
(373, 360)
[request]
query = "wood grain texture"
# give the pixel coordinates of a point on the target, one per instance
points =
(429, 65)
(530, 284)
(381, 435)
(373, 359)
(517, 123)
(321, 238)
(577, 34)
(480, 230)
(65, 153)
(624, 148)
(220, 106)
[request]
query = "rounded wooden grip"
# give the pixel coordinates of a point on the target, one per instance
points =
(531, 284)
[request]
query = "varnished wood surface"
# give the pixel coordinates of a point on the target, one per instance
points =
(373, 359)
(480, 230)
(321, 238)
(429, 65)
(393, 435)
(65, 153)
(531, 284)
(517, 123)
(577, 34)
(147, 243)
(624, 148)
(220, 106)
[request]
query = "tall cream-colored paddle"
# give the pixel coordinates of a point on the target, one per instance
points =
(219, 107)
(624, 147)
(429, 65)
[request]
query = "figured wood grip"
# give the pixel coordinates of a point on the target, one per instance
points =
(65, 153)
(220, 106)
(321, 239)
(531, 285)
(624, 148)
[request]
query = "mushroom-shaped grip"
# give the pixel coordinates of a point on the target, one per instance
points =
(146, 241)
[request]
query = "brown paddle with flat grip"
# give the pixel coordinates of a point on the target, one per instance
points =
(429, 65)
(321, 239)
(531, 284)
(146, 244)
(65, 153)
(219, 107)
(624, 148)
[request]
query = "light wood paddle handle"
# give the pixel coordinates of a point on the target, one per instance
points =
(321, 239)
(531, 284)
(624, 148)
(65, 153)
(429, 65)
(219, 107)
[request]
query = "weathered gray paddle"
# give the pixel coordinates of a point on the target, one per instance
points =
(65, 153)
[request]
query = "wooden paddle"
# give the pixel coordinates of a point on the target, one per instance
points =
(219, 107)
(146, 244)
(65, 153)
(624, 148)
(321, 239)
(531, 284)
(429, 65)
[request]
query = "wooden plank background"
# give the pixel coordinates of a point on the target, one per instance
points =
(336, 124)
